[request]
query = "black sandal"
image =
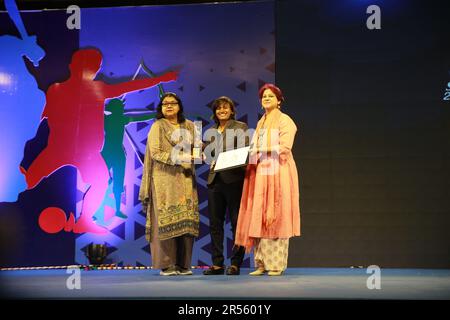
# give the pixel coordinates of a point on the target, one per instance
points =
(211, 271)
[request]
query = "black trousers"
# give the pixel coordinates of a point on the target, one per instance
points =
(221, 197)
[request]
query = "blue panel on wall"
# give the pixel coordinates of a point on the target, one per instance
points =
(34, 247)
(213, 59)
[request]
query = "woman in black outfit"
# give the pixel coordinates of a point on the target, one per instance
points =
(225, 187)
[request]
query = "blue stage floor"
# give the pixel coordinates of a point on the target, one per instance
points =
(296, 283)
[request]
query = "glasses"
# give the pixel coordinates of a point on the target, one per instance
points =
(166, 104)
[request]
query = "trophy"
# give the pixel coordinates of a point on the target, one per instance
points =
(196, 152)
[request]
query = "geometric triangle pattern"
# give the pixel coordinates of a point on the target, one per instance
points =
(237, 72)
(126, 236)
(271, 67)
(241, 86)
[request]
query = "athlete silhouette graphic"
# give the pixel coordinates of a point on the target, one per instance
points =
(21, 103)
(74, 112)
(113, 152)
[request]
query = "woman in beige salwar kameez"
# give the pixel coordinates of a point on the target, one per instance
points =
(270, 211)
(168, 191)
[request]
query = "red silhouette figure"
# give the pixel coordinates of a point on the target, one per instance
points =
(74, 111)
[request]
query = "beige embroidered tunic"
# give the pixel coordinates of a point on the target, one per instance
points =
(167, 187)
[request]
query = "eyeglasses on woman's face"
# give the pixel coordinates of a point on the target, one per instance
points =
(169, 103)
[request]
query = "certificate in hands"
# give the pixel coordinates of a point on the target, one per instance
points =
(232, 159)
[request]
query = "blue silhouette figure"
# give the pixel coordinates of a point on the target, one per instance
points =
(21, 104)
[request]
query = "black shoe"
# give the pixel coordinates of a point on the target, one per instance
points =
(233, 271)
(211, 271)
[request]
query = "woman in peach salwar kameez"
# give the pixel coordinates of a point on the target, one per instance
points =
(270, 210)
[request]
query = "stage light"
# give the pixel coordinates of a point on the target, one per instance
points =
(5, 80)
(96, 253)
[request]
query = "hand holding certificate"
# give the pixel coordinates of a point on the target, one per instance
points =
(232, 159)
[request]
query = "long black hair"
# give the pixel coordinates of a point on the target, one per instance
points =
(180, 114)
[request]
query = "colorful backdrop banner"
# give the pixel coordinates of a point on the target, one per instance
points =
(78, 105)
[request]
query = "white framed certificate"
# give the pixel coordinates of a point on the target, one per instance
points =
(232, 159)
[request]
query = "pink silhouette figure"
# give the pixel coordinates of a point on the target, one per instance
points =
(74, 111)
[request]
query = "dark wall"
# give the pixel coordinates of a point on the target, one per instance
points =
(373, 143)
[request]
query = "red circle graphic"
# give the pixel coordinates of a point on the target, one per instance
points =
(52, 220)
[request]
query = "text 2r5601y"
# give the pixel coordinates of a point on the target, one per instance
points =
(246, 309)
